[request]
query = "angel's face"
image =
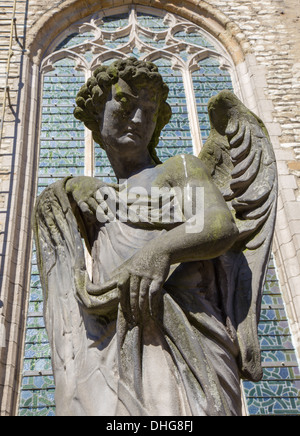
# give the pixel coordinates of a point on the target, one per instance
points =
(129, 118)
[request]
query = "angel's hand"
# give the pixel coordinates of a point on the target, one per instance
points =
(139, 281)
(86, 193)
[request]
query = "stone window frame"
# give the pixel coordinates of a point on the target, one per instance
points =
(251, 79)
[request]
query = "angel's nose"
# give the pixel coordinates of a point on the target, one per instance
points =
(137, 116)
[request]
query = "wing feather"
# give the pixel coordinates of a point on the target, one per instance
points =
(240, 157)
(248, 180)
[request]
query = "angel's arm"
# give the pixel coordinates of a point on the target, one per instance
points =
(208, 233)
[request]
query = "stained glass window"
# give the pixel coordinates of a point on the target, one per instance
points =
(279, 391)
(195, 67)
(61, 153)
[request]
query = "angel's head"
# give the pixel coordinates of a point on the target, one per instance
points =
(125, 103)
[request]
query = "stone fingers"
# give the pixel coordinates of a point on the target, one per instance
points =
(134, 298)
(139, 298)
(154, 297)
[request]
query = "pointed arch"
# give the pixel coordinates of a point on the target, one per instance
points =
(209, 18)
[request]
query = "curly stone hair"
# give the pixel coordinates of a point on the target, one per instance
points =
(93, 95)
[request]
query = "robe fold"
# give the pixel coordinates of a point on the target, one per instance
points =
(186, 359)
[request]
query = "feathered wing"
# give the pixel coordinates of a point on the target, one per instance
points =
(58, 245)
(64, 278)
(240, 157)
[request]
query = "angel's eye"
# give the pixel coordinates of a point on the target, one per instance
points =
(121, 98)
(124, 100)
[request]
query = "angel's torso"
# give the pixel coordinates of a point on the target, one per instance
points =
(117, 241)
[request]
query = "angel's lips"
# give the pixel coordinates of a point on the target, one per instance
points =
(133, 133)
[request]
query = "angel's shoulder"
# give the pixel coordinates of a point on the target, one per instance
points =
(186, 166)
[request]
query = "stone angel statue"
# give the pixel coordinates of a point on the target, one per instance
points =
(166, 322)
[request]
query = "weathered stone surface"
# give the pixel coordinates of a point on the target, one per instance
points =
(167, 323)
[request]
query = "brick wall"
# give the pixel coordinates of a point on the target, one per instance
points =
(272, 29)
(268, 34)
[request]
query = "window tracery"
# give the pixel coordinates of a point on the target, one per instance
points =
(168, 40)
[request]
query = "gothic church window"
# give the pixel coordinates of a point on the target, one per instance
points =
(195, 66)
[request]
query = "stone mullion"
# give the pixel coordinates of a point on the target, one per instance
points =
(89, 152)
(192, 111)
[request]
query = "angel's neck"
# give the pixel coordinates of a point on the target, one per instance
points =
(125, 166)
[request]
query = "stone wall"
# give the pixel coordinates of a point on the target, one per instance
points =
(272, 30)
(263, 38)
